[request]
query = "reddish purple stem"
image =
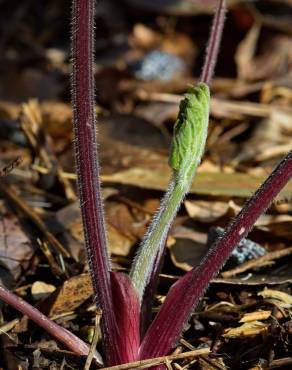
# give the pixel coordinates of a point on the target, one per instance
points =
(88, 170)
(214, 43)
(68, 339)
(127, 309)
(185, 294)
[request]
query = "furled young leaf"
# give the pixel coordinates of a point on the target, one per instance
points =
(189, 139)
(126, 307)
(189, 133)
(185, 154)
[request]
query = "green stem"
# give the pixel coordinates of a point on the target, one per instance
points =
(190, 132)
(157, 233)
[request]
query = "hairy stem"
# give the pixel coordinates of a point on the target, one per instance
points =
(214, 43)
(185, 294)
(156, 236)
(88, 169)
(188, 144)
(68, 339)
(149, 293)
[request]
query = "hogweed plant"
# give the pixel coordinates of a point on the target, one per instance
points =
(119, 296)
(126, 300)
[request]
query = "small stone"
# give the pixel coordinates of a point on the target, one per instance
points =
(246, 249)
(158, 65)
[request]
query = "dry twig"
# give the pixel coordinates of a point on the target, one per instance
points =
(34, 217)
(145, 364)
